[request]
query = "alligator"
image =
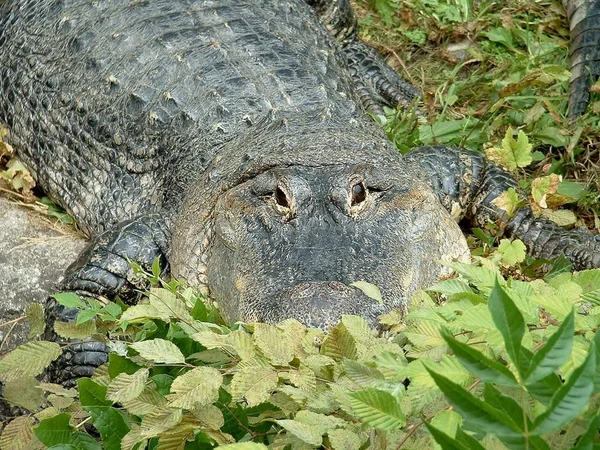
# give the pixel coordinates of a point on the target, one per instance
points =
(229, 141)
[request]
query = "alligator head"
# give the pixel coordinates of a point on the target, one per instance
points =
(285, 233)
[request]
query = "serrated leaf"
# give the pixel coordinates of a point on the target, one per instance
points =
(243, 446)
(509, 321)
(132, 438)
(55, 430)
(339, 343)
(198, 387)
(322, 422)
(160, 420)
(17, 434)
(70, 300)
(514, 152)
(509, 201)
(111, 424)
(70, 330)
(253, 383)
(479, 365)
(127, 387)
(307, 433)
(474, 410)
(169, 305)
(24, 392)
(370, 290)
(377, 408)
(555, 352)
(344, 440)
(274, 344)
(159, 351)
(512, 252)
(92, 393)
(450, 287)
(210, 416)
(29, 359)
(361, 374)
(570, 399)
(35, 317)
(141, 313)
(145, 403)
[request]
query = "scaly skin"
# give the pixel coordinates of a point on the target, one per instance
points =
(584, 24)
(227, 139)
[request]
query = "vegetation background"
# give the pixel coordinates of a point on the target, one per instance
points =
(505, 355)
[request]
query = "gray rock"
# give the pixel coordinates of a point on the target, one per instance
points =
(34, 253)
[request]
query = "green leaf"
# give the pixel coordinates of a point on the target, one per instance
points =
(71, 330)
(35, 317)
(84, 441)
(474, 410)
(570, 399)
(307, 433)
(361, 374)
(70, 300)
(159, 351)
(478, 364)
(92, 393)
(344, 440)
(274, 344)
(196, 388)
(447, 442)
(554, 352)
(512, 252)
(24, 392)
(126, 387)
(500, 35)
(55, 430)
(514, 152)
(30, 359)
(377, 408)
(506, 404)
(509, 201)
(339, 343)
(370, 290)
(586, 440)
(243, 446)
(253, 383)
(111, 424)
(17, 434)
(509, 321)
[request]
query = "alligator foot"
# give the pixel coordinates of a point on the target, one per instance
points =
(375, 82)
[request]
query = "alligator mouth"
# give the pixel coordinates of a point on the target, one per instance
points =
(322, 304)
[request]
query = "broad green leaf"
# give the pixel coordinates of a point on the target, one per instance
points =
(506, 404)
(169, 305)
(509, 321)
(29, 359)
(127, 387)
(450, 287)
(160, 420)
(361, 374)
(339, 343)
(561, 217)
(70, 330)
(344, 440)
(35, 317)
(70, 300)
(274, 343)
(307, 433)
(377, 408)
(145, 403)
(554, 352)
(254, 383)
(84, 441)
(370, 290)
(447, 442)
(198, 387)
(92, 393)
(509, 202)
(478, 364)
(142, 312)
(159, 351)
(514, 153)
(210, 416)
(474, 410)
(111, 424)
(243, 446)
(570, 399)
(55, 430)
(23, 392)
(17, 434)
(512, 252)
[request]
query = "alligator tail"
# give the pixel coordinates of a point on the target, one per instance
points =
(584, 25)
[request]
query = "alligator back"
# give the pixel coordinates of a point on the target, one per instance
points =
(117, 106)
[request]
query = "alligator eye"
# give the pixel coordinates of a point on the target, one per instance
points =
(359, 194)
(281, 198)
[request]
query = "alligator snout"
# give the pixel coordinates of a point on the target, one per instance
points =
(321, 304)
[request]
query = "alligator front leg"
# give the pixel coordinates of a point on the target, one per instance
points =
(375, 83)
(104, 271)
(467, 185)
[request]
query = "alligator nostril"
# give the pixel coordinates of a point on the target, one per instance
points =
(359, 193)
(281, 198)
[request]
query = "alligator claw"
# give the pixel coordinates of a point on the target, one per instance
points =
(375, 82)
